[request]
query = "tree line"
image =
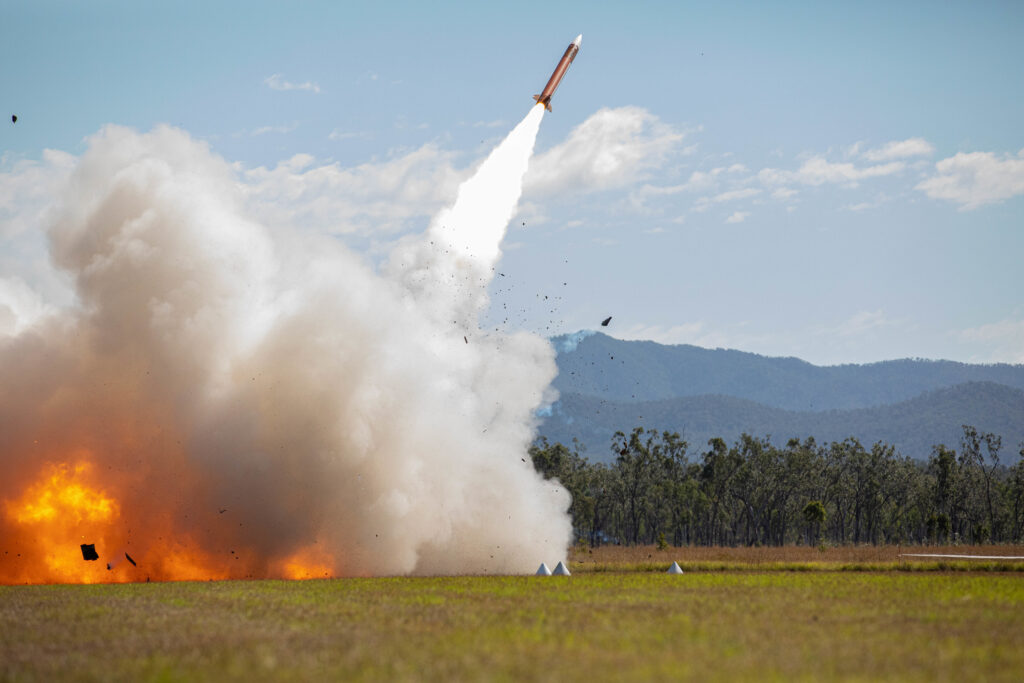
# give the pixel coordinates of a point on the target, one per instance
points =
(754, 493)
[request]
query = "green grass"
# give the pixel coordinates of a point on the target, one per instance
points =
(814, 625)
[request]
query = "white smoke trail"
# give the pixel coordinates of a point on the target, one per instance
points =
(270, 395)
(455, 261)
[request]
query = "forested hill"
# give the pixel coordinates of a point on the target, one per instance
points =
(626, 371)
(912, 426)
(608, 385)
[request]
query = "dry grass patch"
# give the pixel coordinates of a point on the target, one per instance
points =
(790, 558)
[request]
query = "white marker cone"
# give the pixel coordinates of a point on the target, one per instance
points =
(543, 570)
(675, 569)
(561, 570)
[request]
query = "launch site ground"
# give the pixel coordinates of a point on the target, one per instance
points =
(755, 614)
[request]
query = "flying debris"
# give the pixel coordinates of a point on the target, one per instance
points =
(89, 552)
(604, 323)
(14, 118)
(129, 558)
(570, 54)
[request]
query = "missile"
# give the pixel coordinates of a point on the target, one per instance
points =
(563, 65)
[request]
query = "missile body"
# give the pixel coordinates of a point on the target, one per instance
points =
(563, 65)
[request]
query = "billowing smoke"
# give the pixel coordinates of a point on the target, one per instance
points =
(227, 401)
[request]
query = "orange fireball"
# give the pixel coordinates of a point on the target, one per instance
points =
(57, 513)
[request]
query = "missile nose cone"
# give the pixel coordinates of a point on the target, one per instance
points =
(579, 39)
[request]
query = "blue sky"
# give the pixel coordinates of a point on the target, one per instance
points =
(842, 182)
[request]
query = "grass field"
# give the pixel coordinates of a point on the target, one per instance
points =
(607, 625)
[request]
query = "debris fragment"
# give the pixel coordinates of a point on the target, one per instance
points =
(604, 323)
(89, 552)
(129, 558)
(464, 339)
(14, 118)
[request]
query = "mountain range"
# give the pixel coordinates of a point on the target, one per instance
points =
(608, 385)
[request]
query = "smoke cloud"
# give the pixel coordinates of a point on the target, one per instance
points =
(227, 401)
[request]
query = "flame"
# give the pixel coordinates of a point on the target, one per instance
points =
(66, 505)
(309, 563)
(60, 511)
(61, 494)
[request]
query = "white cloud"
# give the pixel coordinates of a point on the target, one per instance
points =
(339, 134)
(857, 325)
(697, 333)
(819, 171)
(699, 181)
(29, 192)
(28, 188)
(263, 130)
(878, 200)
(898, 149)
(734, 168)
(854, 339)
(612, 148)
(689, 333)
(976, 178)
(375, 197)
(783, 193)
(734, 195)
(737, 217)
(1004, 341)
(277, 82)
(865, 336)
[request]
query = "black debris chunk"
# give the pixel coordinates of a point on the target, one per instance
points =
(222, 510)
(109, 567)
(604, 323)
(129, 558)
(465, 340)
(89, 552)
(14, 118)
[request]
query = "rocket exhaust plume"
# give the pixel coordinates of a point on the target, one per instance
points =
(223, 401)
